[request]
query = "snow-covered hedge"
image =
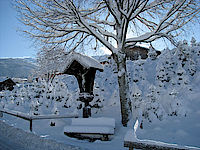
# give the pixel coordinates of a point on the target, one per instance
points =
(159, 87)
(39, 97)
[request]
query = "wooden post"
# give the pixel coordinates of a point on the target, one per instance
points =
(86, 112)
(31, 125)
(1, 114)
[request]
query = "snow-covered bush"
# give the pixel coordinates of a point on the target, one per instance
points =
(163, 96)
(152, 54)
(40, 97)
(106, 85)
(98, 100)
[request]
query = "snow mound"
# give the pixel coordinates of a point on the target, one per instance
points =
(29, 141)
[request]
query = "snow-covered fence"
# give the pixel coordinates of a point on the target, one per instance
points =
(30, 118)
(131, 141)
(154, 145)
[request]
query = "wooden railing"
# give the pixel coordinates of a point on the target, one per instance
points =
(156, 146)
(30, 118)
(132, 142)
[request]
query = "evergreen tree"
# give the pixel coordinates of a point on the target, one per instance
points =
(136, 97)
(152, 54)
(153, 107)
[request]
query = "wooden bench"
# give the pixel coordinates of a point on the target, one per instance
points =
(91, 128)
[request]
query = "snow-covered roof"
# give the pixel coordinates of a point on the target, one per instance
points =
(86, 61)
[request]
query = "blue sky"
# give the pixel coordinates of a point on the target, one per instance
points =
(14, 44)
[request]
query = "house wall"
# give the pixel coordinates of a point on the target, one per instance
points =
(136, 51)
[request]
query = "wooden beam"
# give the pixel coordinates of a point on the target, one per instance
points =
(39, 117)
(16, 114)
(32, 117)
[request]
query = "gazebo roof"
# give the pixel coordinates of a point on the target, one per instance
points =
(85, 61)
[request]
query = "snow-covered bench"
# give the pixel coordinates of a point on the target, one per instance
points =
(92, 128)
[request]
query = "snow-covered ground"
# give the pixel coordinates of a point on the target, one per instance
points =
(44, 130)
(12, 138)
(165, 84)
(182, 131)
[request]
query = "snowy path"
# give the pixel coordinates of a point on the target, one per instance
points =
(16, 139)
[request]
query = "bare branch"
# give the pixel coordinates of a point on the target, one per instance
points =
(59, 21)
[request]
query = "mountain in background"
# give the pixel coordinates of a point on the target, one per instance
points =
(17, 67)
(23, 67)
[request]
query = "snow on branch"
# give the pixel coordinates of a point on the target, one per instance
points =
(55, 21)
(108, 21)
(174, 15)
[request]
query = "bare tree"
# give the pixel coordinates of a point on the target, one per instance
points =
(49, 60)
(106, 22)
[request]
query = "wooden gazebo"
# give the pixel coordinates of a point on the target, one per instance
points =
(84, 69)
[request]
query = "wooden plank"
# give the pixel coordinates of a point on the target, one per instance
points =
(91, 137)
(89, 129)
(89, 133)
(54, 116)
(31, 117)
(16, 114)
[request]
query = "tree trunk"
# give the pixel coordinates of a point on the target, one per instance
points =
(123, 89)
